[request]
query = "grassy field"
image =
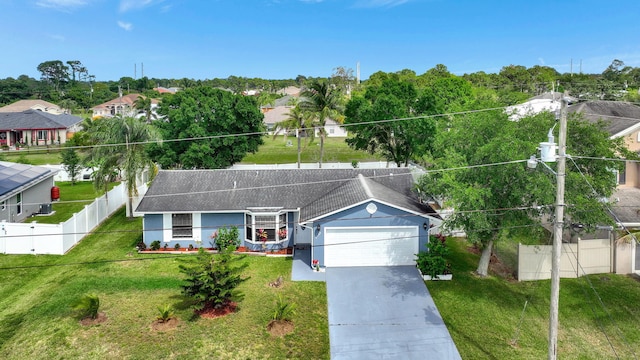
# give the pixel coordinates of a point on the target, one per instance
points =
(276, 151)
(486, 320)
(37, 321)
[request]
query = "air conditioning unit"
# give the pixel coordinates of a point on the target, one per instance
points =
(45, 208)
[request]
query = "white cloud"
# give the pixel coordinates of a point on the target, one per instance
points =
(126, 5)
(62, 5)
(56, 37)
(379, 3)
(541, 60)
(125, 25)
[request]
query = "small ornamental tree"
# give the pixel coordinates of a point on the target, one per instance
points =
(71, 163)
(212, 281)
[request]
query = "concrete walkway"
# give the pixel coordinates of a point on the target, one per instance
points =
(301, 269)
(384, 313)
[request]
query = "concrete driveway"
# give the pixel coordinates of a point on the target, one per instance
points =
(384, 313)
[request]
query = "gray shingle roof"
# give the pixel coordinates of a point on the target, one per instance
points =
(625, 204)
(315, 192)
(617, 115)
(14, 176)
(33, 119)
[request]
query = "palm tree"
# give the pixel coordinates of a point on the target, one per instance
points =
(297, 120)
(143, 103)
(323, 101)
(129, 137)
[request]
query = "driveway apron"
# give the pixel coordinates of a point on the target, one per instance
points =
(384, 313)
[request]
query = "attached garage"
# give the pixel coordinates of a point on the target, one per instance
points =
(370, 246)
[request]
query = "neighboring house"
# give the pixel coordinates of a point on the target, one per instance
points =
(545, 102)
(24, 190)
(123, 105)
(33, 127)
(164, 90)
(24, 105)
(622, 119)
(349, 217)
(274, 115)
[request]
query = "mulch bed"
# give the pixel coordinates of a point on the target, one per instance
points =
(98, 320)
(280, 327)
(168, 325)
(209, 312)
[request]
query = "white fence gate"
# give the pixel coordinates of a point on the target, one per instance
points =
(56, 239)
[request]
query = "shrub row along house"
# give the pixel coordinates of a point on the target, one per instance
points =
(348, 217)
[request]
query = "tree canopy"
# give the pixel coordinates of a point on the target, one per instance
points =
(205, 118)
(493, 201)
(370, 119)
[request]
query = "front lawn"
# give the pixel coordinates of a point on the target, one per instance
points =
(276, 151)
(38, 322)
(486, 320)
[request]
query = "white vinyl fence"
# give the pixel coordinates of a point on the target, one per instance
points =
(584, 258)
(56, 239)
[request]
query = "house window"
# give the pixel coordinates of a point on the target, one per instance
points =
(42, 134)
(19, 204)
(332, 131)
(266, 227)
(182, 226)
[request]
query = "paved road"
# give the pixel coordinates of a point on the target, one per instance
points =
(384, 313)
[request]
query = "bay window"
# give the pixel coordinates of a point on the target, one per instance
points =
(266, 227)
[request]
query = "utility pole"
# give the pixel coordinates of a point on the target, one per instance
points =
(557, 238)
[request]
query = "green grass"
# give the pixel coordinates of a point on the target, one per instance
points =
(37, 320)
(275, 151)
(483, 315)
(73, 199)
(33, 156)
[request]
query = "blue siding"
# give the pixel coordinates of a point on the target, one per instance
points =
(152, 228)
(358, 216)
(212, 222)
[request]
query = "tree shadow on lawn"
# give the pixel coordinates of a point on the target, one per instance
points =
(470, 341)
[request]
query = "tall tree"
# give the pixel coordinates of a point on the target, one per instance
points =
(323, 101)
(122, 143)
(207, 119)
(298, 121)
(371, 119)
(491, 202)
(54, 72)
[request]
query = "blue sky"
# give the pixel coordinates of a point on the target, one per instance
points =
(280, 39)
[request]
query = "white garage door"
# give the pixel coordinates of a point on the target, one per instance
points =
(370, 246)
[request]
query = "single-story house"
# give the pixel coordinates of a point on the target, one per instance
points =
(34, 127)
(24, 190)
(349, 217)
(274, 115)
(40, 105)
